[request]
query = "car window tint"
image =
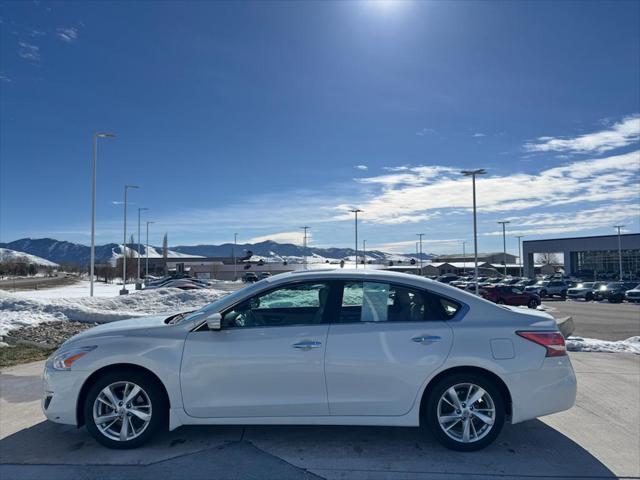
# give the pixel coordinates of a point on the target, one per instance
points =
(380, 302)
(298, 304)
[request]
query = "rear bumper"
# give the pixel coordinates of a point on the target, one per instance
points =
(550, 389)
(60, 395)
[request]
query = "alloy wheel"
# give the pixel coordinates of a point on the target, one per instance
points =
(466, 413)
(122, 411)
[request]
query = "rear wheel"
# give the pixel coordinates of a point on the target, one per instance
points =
(543, 293)
(533, 303)
(563, 294)
(465, 411)
(124, 409)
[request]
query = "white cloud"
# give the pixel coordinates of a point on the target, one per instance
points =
(425, 131)
(605, 216)
(294, 237)
(621, 134)
(478, 135)
(29, 51)
(362, 167)
(410, 245)
(5, 78)
(67, 35)
(419, 193)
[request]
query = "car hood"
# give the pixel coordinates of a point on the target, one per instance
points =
(120, 327)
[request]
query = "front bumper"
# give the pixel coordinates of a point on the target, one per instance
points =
(61, 390)
(551, 388)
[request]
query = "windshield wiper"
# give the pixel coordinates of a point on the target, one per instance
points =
(173, 319)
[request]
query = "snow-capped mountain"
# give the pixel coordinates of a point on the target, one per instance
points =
(68, 252)
(8, 255)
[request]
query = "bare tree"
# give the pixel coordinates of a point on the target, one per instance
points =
(547, 259)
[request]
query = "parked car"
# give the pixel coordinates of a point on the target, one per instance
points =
(614, 292)
(633, 295)
(549, 288)
(249, 277)
(586, 291)
(447, 278)
(317, 347)
(510, 295)
(263, 275)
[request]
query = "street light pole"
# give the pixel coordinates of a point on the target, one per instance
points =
(619, 249)
(304, 247)
(92, 262)
(356, 211)
(473, 174)
(124, 290)
(140, 209)
(504, 244)
(519, 237)
(420, 235)
(235, 263)
(146, 251)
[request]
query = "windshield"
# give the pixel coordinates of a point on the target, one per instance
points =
(587, 285)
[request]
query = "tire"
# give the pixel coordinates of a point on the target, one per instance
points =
(500, 301)
(563, 294)
(491, 400)
(533, 303)
(588, 297)
(96, 404)
(543, 293)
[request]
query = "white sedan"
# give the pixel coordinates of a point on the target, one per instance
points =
(317, 348)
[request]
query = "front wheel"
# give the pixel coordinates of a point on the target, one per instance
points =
(124, 409)
(543, 293)
(500, 301)
(465, 412)
(588, 297)
(533, 303)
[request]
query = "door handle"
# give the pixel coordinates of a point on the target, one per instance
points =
(426, 339)
(306, 345)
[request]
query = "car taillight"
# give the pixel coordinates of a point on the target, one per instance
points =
(552, 341)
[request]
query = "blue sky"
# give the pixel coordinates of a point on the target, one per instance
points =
(261, 117)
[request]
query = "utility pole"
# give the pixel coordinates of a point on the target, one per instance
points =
(356, 211)
(464, 258)
(520, 252)
(304, 247)
(92, 263)
(364, 253)
(420, 235)
(504, 244)
(124, 290)
(619, 249)
(473, 174)
(235, 263)
(140, 209)
(146, 250)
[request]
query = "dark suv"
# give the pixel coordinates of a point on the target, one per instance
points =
(614, 292)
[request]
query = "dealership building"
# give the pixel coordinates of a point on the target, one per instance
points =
(591, 257)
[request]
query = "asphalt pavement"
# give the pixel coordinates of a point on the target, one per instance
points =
(598, 438)
(602, 320)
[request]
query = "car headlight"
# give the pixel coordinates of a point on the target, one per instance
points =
(64, 360)
(603, 287)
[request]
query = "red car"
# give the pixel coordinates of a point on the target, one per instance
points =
(509, 295)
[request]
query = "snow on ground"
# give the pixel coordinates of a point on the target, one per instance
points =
(34, 307)
(579, 344)
(7, 255)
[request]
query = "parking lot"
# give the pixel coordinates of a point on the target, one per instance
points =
(602, 320)
(598, 438)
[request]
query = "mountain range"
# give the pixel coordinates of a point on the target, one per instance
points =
(68, 252)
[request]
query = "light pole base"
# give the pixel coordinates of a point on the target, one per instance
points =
(138, 285)
(124, 291)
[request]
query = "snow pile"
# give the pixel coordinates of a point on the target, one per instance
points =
(579, 344)
(17, 311)
(8, 255)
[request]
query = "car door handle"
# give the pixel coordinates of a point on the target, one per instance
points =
(306, 345)
(426, 339)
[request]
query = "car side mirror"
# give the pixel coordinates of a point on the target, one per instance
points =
(214, 321)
